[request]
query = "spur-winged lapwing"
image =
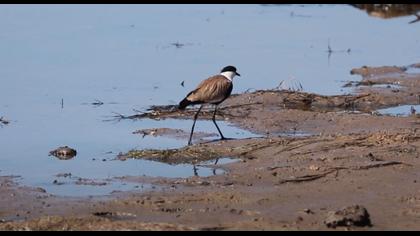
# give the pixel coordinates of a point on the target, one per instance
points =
(213, 90)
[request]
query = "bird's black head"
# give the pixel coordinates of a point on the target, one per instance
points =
(231, 69)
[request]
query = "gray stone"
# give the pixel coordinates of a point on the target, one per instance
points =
(355, 215)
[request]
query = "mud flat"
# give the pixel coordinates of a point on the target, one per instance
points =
(351, 159)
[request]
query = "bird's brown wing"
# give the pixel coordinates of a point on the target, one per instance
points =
(211, 90)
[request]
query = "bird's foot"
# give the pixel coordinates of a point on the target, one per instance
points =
(224, 138)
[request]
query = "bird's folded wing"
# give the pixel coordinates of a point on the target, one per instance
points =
(213, 89)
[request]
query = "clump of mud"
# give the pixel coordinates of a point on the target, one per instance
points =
(349, 216)
(190, 154)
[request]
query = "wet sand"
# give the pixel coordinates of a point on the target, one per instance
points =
(349, 155)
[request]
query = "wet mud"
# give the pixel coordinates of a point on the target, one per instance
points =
(353, 156)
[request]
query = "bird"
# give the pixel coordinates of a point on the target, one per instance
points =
(213, 90)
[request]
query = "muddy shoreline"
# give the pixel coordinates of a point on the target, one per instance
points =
(349, 155)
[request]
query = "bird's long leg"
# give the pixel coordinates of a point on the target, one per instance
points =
(192, 128)
(214, 121)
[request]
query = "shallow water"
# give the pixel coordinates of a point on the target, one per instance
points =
(72, 186)
(413, 70)
(58, 59)
(354, 89)
(403, 110)
(97, 144)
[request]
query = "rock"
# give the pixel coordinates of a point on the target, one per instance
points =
(355, 215)
(63, 153)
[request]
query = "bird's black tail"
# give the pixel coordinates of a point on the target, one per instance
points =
(183, 104)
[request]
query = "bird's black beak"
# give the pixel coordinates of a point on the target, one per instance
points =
(237, 74)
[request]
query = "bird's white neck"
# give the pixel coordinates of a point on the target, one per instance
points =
(229, 75)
